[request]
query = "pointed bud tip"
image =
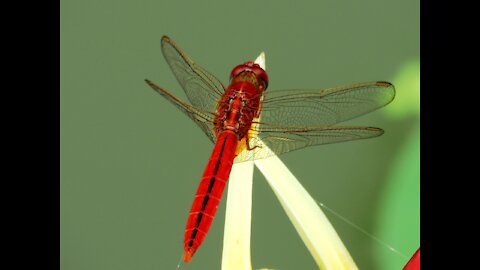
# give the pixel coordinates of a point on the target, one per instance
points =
(261, 60)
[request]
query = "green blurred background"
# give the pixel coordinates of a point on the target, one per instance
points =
(131, 162)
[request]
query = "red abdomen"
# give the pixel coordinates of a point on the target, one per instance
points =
(235, 112)
(209, 192)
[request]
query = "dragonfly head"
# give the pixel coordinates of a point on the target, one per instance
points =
(250, 66)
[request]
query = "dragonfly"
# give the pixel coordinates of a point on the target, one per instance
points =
(246, 122)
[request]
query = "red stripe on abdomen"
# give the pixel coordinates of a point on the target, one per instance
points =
(209, 192)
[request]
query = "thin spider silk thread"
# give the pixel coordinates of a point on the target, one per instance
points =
(379, 241)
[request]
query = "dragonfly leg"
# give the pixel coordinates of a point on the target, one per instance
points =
(248, 144)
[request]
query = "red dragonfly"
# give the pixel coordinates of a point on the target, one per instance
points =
(289, 120)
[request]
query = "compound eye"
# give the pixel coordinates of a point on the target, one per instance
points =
(262, 74)
(252, 67)
(237, 70)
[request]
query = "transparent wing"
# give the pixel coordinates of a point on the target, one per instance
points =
(203, 90)
(324, 107)
(203, 119)
(281, 140)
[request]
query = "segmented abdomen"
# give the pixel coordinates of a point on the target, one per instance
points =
(209, 192)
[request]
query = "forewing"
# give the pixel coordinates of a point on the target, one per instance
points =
(203, 90)
(324, 107)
